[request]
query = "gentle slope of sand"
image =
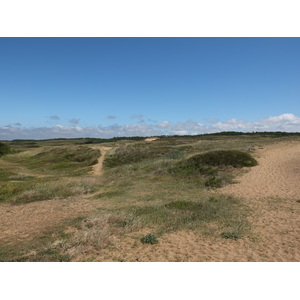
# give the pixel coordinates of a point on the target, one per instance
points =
(277, 175)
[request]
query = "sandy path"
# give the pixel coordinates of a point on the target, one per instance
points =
(97, 168)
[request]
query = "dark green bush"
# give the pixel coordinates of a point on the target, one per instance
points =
(230, 235)
(232, 158)
(149, 239)
(189, 168)
(213, 181)
(4, 149)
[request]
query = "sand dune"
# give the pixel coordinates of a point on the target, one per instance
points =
(277, 175)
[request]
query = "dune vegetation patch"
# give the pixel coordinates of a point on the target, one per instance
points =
(193, 215)
(135, 153)
(214, 167)
(61, 159)
(232, 158)
(45, 189)
(4, 149)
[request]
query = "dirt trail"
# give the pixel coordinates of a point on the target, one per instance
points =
(97, 168)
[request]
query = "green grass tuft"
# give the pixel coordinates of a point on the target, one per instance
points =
(149, 239)
(230, 235)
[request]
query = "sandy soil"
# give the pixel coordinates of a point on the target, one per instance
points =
(151, 139)
(25, 221)
(277, 175)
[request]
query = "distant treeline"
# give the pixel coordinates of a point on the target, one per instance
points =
(88, 140)
(114, 139)
(235, 133)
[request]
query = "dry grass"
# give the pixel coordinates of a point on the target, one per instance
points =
(99, 232)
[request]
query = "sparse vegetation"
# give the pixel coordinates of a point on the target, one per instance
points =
(45, 189)
(134, 153)
(230, 235)
(149, 239)
(66, 160)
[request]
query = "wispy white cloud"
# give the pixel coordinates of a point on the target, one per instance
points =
(284, 122)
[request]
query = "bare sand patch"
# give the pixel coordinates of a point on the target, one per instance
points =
(151, 139)
(277, 175)
(25, 221)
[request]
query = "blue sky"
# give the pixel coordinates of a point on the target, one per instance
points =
(76, 87)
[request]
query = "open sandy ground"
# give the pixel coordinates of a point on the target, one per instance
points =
(270, 190)
(25, 221)
(151, 139)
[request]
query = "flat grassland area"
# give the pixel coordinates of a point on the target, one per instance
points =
(191, 198)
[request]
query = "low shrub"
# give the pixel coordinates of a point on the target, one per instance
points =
(230, 235)
(4, 149)
(232, 158)
(213, 181)
(149, 239)
(189, 168)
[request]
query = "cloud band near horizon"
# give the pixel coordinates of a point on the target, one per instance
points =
(286, 122)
